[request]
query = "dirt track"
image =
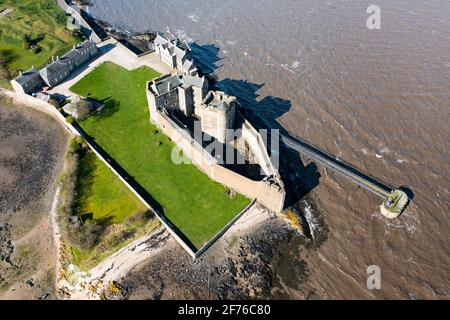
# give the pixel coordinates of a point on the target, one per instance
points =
(32, 147)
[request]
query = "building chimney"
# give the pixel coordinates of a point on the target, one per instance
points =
(53, 58)
(20, 72)
(169, 86)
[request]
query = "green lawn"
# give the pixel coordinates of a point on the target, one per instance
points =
(197, 206)
(101, 193)
(45, 22)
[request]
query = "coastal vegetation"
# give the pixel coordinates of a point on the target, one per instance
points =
(196, 205)
(33, 32)
(100, 215)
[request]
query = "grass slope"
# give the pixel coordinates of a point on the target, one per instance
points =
(198, 206)
(45, 22)
(101, 193)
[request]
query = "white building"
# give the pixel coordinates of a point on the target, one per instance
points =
(175, 53)
(34, 80)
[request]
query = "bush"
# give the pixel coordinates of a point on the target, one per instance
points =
(88, 235)
(76, 145)
(70, 120)
(37, 49)
(84, 109)
(139, 219)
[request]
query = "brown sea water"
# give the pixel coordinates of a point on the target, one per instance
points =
(379, 99)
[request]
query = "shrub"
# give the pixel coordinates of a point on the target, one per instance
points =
(76, 145)
(88, 235)
(84, 109)
(37, 49)
(70, 120)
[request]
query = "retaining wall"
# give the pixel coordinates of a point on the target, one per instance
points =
(42, 106)
(259, 149)
(53, 112)
(270, 195)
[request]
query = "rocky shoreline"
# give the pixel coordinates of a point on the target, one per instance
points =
(140, 42)
(263, 261)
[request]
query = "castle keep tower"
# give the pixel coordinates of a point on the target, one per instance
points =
(217, 114)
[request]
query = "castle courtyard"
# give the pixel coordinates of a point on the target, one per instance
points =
(196, 205)
(111, 50)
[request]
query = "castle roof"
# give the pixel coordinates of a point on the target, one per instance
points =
(219, 100)
(176, 47)
(188, 64)
(193, 81)
(167, 84)
(160, 40)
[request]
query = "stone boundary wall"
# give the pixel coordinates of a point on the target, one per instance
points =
(219, 234)
(260, 152)
(136, 55)
(270, 196)
(42, 106)
(53, 112)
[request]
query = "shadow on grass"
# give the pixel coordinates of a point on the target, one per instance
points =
(141, 191)
(7, 57)
(90, 233)
(84, 181)
(111, 106)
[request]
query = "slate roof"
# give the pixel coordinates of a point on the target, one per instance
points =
(163, 86)
(71, 55)
(60, 68)
(175, 46)
(27, 76)
(188, 65)
(159, 40)
(54, 68)
(85, 45)
(180, 53)
(193, 81)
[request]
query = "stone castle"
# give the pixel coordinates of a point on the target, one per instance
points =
(190, 96)
(175, 53)
(179, 101)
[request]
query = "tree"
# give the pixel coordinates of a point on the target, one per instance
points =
(84, 108)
